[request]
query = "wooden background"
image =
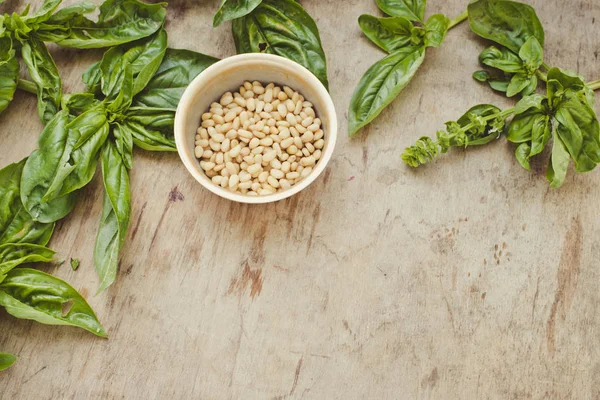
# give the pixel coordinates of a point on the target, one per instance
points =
(468, 278)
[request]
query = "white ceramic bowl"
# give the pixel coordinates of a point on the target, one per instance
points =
(228, 75)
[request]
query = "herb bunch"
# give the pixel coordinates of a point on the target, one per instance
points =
(404, 35)
(281, 27)
(564, 117)
(23, 34)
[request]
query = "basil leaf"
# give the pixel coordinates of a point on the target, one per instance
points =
(522, 155)
(380, 85)
(558, 165)
(65, 14)
(177, 70)
(120, 21)
(284, 28)
(436, 29)
(232, 9)
(92, 77)
(518, 83)
(390, 34)
(505, 22)
(502, 59)
(124, 144)
(413, 10)
(31, 294)
(579, 131)
(146, 58)
(16, 225)
(78, 103)
(43, 13)
(66, 161)
(158, 119)
(540, 134)
(6, 360)
(532, 54)
(497, 83)
(9, 72)
(148, 139)
(44, 73)
(116, 212)
(15, 254)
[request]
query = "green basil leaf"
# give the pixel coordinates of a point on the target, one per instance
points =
(16, 225)
(43, 13)
(120, 21)
(497, 83)
(436, 29)
(92, 77)
(380, 85)
(44, 73)
(522, 155)
(502, 59)
(148, 139)
(558, 165)
(6, 360)
(579, 131)
(413, 10)
(177, 70)
(540, 134)
(31, 294)
(78, 103)
(146, 58)
(518, 83)
(520, 129)
(112, 72)
(124, 96)
(65, 14)
(157, 119)
(532, 54)
(116, 213)
(123, 143)
(390, 34)
(9, 72)
(505, 22)
(232, 9)
(284, 28)
(15, 254)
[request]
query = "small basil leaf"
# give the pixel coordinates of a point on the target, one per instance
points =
(413, 10)
(380, 85)
(9, 72)
(6, 360)
(31, 294)
(532, 54)
(284, 28)
(522, 155)
(558, 165)
(505, 22)
(65, 14)
(502, 59)
(436, 29)
(44, 73)
(232, 9)
(540, 134)
(16, 225)
(177, 70)
(481, 76)
(146, 58)
(78, 103)
(92, 77)
(518, 83)
(390, 34)
(15, 254)
(535, 101)
(120, 21)
(116, 212)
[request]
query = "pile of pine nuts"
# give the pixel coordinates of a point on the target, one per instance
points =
(259, 140)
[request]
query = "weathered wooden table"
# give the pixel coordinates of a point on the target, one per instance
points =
(469, 278)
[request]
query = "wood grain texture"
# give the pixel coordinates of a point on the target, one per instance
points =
(466, 279)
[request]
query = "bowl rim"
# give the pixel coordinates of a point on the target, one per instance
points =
(214, 72)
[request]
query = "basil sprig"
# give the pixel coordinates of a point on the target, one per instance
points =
(404, 35)
(24, 34)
